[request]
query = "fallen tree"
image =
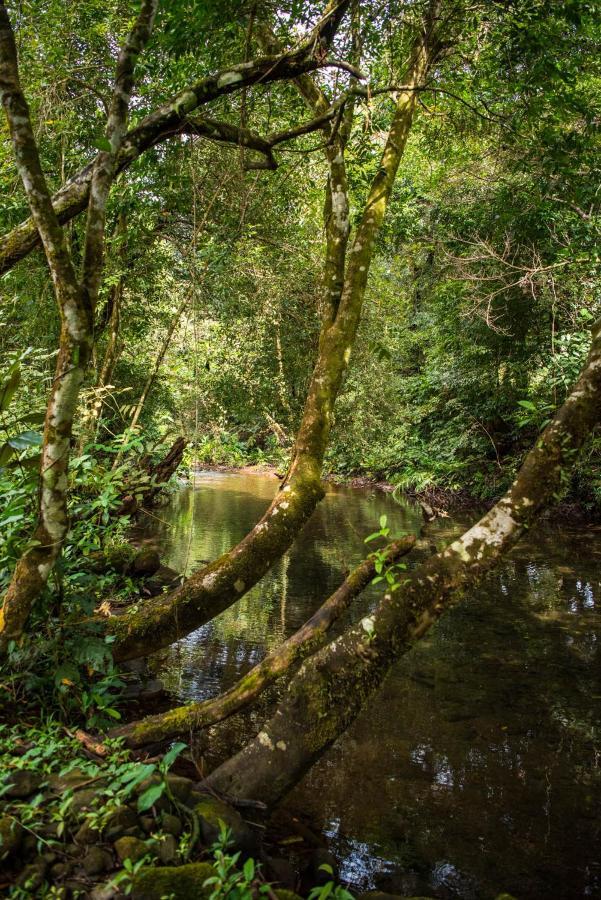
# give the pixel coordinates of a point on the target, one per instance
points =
(306, 640)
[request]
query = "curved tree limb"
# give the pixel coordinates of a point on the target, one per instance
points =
(170, 118)
(332, 686)
(306, 640)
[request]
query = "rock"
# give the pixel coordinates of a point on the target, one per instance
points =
(164, 579)
(211, 812)
(87, 834)
(70, 781)
(23, 783)
(11, 835)
(96, 861)
(123, 818)
(167, 849)
(84, 800)
(176, 882)
(314, 874)
(60, 870)
(281, 871)
(116, 558)
(103, 892)
(171, 824)
(32, 876)
(130, 848)
(29, 845)
(146, 562)
(180, 787)
(148, 824)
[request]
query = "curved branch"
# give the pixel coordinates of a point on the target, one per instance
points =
(306, 640)
(169, 119)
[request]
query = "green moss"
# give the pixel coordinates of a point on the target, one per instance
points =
(177, 882)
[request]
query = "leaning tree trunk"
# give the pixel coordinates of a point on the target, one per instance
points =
(189, 719)
(163, 620)
(332, 686)
(76, 301)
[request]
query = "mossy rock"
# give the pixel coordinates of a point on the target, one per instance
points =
(130, 848)
(211, 811)
(145, 563)
(177, 882)
(11, 835)
(22, 783)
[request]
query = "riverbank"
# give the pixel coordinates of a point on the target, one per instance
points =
(440, 500)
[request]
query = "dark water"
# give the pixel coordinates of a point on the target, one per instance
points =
(477, 768)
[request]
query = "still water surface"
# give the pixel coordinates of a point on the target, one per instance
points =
(477, 768)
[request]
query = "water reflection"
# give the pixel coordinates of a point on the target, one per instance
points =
(476, 769)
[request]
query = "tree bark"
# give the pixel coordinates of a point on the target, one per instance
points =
(76, 302)
(164, 620)
(191, 718)
(331, 688)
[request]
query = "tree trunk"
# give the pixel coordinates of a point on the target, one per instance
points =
(188, 719)
(76, 301)
(164, 620)
(331, 688)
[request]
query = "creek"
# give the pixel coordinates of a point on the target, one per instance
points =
(476, 768)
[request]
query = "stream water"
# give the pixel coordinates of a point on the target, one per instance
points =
(477, 767)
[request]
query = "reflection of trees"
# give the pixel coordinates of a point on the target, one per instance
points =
(481, 757)
(478, 756)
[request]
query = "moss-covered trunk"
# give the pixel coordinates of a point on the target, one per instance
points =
(76, 300)
(194, 716)
(332, 686)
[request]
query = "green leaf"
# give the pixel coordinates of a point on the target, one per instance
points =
(26, 439)
(527, 404)
(150, 796)
(9, 387)
(6, 451)
(172, 754)
(249, 869)
(383, 521)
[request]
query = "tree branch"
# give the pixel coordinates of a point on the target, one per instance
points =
(307, 639)
(169, 119)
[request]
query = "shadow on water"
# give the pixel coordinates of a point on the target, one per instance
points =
(476, 769)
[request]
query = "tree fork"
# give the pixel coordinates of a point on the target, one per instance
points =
(171, 119)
